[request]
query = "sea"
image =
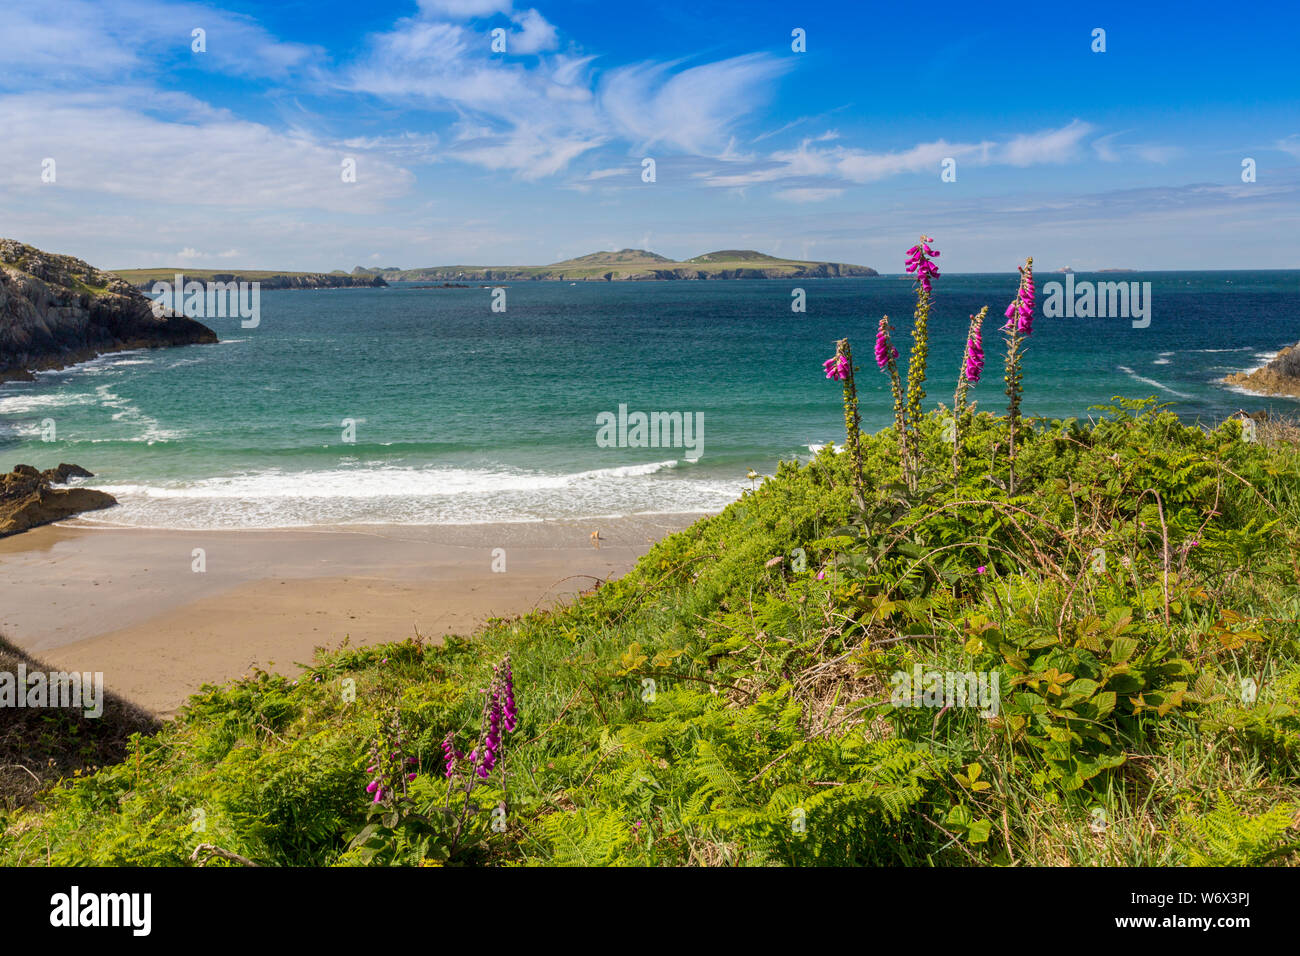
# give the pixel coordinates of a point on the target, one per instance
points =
(423, 405)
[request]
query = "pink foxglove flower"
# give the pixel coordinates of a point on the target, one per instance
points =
(1020, 313)
(919, 262)
(974, 357)
(510, 712)
(884, 349)
(837, 367)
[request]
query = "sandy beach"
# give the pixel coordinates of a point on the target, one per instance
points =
(129, 602)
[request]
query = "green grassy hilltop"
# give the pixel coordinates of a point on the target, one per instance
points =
(628, 264)
(735, 699)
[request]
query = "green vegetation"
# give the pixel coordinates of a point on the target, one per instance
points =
(735, 699)
(58, 270)
(41, 746)
(639, 264)
(624, 264)
(146, 277)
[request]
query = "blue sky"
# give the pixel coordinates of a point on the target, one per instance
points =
(232, 157)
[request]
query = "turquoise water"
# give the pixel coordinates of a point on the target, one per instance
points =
(465, 415)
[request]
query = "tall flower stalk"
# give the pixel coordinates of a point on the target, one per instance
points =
(887, 359)
(972, 367)
(500, 716)
(840, 368)
(390, 769)
(1020, 324)
(920, 262)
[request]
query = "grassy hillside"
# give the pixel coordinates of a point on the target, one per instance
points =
(145, 278)
(140, 277)
(734, 699)
(640, 264)
(40, 747)
(596, 266)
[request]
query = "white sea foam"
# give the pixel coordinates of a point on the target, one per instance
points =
(100, 364)
(381, 482)
(1152, 382)
(126, 412)
(1271, 396)
(388, 494)
(22, 404)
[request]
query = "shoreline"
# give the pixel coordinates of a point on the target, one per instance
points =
(159, 620)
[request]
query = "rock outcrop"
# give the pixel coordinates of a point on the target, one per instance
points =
(1279, 377)
(27, 498)
(308, 280)
(144, 279)
(57, 310)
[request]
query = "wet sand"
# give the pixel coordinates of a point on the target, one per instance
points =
(129, 602)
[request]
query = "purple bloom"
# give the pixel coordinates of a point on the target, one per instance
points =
(450, 755)
(918, 261)
(510, 712)
(1020, 312)
(884, 350)
(974, 357)
(837, 368)
(981, 569)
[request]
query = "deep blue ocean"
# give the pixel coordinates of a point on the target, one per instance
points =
(462, 414)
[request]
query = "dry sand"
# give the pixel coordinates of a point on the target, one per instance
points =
(128, 602)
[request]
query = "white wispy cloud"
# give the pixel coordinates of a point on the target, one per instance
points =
(1046, 146)
(86, 40)
(173, 148)
(694, 109)
(1108, 150)
(823, 166)
(534, 35)
(532, 122)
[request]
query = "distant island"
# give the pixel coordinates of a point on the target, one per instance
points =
(144, 279)
(1068, 269)
(624, 265)
(633, 264)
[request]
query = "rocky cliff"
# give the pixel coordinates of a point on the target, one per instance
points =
(56, 311)
(1279, 377)
(27, 498)
(318, 280)
(144, 279)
